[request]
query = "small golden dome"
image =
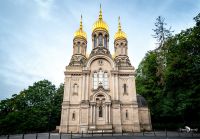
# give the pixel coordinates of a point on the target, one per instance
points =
(113, 55)
(100, 24)
(120, 34)
(80, 33)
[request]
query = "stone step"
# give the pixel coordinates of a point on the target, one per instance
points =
(100, 131)
(100, 127)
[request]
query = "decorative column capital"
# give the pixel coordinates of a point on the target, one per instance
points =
(114, 72)
(92, 103)
(108, 103)
(86, 72)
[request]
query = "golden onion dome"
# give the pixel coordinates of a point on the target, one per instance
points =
(80, 33)
(120, 34)
(100, 24)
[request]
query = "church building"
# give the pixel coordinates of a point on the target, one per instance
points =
(99, 89)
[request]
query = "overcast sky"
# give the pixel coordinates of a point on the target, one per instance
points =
(36, 35)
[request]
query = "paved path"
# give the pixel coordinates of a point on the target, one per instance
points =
(146, 135)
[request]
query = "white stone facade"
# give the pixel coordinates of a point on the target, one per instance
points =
(100, 91)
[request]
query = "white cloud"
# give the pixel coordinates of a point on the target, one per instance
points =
(44, 8)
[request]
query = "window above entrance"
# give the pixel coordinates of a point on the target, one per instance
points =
(100, 78)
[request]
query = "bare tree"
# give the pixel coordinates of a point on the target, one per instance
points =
(161, 32)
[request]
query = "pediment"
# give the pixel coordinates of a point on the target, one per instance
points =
(100, 88)
(100, 91)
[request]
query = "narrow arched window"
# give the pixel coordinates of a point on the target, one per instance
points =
(82, 48)
(125, 88)
(105, 41)
(101, 74)
(78, 51)
(100, 111)
(95, 41)
(100, 40)
(106, 80)
(75, 89)
(100, 79)
(126, 114)
(73, 116)
(95, 81)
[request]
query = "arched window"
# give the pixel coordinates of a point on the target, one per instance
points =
(100, 111)
(121, 48)
(73, 115)
(82, 48)
(106, 80)
(95, 80)
(75, 88)
(125, 88)
(105, 41)
(100, 40)
(126, 114)
(78, 48)
(95, 41)
(100, 78)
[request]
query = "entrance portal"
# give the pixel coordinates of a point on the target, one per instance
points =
(100, 111)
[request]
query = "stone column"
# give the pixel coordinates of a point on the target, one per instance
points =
(106, 114)
(67, 118)
(109, 113)
(91, 116)
(68, 89)
(86, 86)
(83, 88)
(117, 87)
(94, 113)
(65, 95)
(113, 84)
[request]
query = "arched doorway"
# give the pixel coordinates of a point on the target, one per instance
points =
(100, 110)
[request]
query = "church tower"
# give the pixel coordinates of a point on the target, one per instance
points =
(120, 41)
(100, 35)
(99, 90)
(121, 47)
(79, 46)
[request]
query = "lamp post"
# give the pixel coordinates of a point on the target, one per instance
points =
(49, 121)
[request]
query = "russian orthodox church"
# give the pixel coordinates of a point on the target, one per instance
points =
(99, 89)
